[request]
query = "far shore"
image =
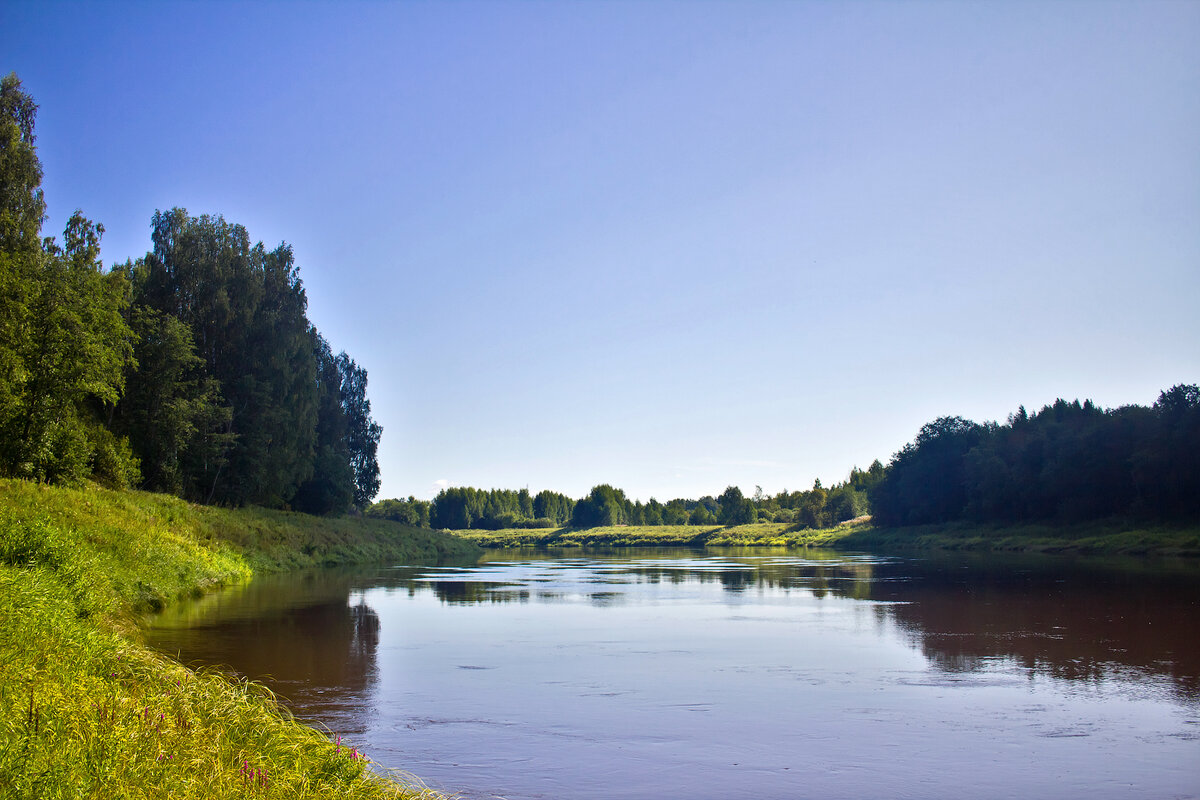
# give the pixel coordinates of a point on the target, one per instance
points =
(1099, 538)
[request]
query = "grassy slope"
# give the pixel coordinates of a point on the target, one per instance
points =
(1098, 538)
(86, 711)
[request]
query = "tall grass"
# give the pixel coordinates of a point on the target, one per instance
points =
(86, 711)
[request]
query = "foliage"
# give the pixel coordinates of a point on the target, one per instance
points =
(245, 308)
(172, 411)
(553, 506)
(409, 512)
(735, 508)
(237, 398)
(64, 342)
(604, 506)
(331, 486)
(466, 508)
(463, 508)
(1068, 463)
(193, 370)
(362, 432)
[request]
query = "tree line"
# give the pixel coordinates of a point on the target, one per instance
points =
(193, 370)
(1070, 462)
(465, 508)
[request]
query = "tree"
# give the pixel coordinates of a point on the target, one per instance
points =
(171, 411)
(675, 512)
(246, 310)
(22, 209)
(411, 511)
(72, 354)
(331, 487)
(926, 481)
(811, 511)
(553, 506)
(652, 514)
(736, 509)
(700, 515)
(1166, 462)
(362, 432)
(604, 506)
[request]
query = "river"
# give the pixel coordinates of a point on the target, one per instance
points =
(745, 673)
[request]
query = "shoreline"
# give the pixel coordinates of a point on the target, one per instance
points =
(1101, 538)
(88, 711)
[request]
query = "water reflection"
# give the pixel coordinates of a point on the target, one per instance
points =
(1081, 619)
(1086, 620)
(508, 576)
(309, 636)
(736, 673)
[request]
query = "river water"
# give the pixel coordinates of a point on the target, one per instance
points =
(735, 674)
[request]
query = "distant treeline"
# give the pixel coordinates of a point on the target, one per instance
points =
(464, 508)
(193, 370)
(1069, 462)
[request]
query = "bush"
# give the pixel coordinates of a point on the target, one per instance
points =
(113, 463)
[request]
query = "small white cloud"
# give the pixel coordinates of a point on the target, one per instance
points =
(441, 483)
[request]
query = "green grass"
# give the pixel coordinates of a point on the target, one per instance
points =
(1107, 538)
(1097, 538)
(86, 711)
(761, 534)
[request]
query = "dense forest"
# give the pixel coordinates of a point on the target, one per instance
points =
(193, 370)
(1070, 462)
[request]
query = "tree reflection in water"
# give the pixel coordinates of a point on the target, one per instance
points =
(308, 636)
(1075, 619)
(314, 640)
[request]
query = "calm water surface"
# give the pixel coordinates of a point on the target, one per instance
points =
(736, 674)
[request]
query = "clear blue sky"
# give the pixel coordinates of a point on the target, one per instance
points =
(670, 246)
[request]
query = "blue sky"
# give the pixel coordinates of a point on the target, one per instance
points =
(669, 246)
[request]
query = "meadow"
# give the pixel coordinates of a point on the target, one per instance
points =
(1112, 537)
(87, 711)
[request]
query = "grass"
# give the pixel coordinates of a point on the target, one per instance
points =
(86, 711)
(761, 534)
(1106, 538)
(1110, 537)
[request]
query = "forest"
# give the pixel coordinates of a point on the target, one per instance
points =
(193, 370)
(1070, 462)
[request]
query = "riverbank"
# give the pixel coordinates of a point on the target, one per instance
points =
(1108, 538)
(87, 711)
(1104, 538)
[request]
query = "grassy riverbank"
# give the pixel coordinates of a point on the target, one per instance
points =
(768, 534)
(1108, 538)
(1095, 538)
(87, 712)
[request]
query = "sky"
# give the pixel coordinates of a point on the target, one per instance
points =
(670, 246)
